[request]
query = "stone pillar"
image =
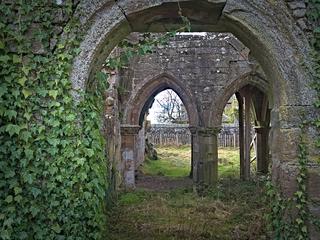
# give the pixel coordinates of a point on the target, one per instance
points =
(241, 135)
(128, 154)
(247, 135)
(194, 152)
(262, 149)
(140, 146)
(207, 165)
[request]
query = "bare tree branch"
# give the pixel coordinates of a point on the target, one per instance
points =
(172, 108)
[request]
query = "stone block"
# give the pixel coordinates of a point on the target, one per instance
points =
(297, 5)
(299, 13)
(314, 182)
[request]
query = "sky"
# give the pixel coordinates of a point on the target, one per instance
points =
(155, 109)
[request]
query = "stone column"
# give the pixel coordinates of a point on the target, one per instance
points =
(128, 154)
(194, 152)
(241, 134)
(262, 149)
(247, 134)
(207, 166)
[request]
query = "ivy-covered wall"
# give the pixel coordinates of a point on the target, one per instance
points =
(52, 158)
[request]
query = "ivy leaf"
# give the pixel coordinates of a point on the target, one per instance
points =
(304, 229)
(3, 90)
(22, 81)
(10, 114)
(26, 93)
(16, 59)
(28, 153)
(299, 220)
(53, 94)
(4, 58)
(27, 178)
(35, 192)
(25, 70)
(8, 199)
(53, 141)
(2, 45)
(70, 117)
(34, 211)
(56, 228)
(81, 161)
(18, 198)
(88, 152)
(299, 194)
(17, 190)
(12, 129)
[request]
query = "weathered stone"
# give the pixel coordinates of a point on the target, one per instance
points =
(299, 13)
(297, 4)
(302, 23)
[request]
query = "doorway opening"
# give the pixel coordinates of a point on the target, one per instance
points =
(245, 129)
(228, 142)
(167, 159)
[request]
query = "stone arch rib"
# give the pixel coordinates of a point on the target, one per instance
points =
(232, 88)
(149, 88)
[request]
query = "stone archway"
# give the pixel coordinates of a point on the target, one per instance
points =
(132, 131)
(265, 27)
(253, 95)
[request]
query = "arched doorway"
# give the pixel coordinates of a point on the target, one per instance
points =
(134, 115)
(252, 94)
(165, 162)
(271, 40)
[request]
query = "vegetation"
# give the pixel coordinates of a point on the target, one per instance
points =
(50, 168)
(232, 210)
(172, 162)
(175, 162)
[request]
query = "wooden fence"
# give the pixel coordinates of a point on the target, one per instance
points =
(179, 134)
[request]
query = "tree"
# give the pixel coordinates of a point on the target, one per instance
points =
(230, 113)
(172, 109)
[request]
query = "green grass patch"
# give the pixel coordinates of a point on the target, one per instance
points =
(176, 162)
(172, 162)
(131, 198)
(228, 163)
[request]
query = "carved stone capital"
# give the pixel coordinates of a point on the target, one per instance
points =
(129, 129)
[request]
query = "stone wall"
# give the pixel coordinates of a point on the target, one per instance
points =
(204, 65)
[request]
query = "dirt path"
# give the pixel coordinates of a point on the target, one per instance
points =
(162, 183)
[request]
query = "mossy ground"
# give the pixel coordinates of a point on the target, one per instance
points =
(232, 210)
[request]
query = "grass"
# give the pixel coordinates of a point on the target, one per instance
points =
(173, 162)
(176, 161)
(232, 210)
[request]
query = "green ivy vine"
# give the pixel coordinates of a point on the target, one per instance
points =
(53, 165)
(52, 172)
